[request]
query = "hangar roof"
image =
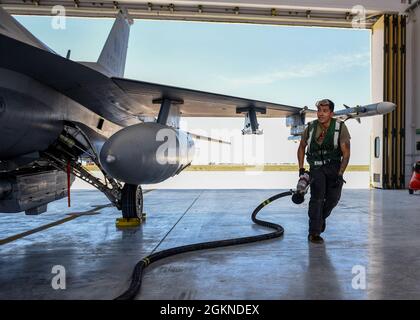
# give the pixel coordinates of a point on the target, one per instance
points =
(327, 13)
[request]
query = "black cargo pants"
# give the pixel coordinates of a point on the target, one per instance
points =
(325, 194)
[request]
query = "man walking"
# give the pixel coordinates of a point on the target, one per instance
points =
(328, 154)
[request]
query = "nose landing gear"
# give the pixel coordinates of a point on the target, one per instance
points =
(132, 206)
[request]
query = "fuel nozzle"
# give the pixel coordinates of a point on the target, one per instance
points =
(302, 188)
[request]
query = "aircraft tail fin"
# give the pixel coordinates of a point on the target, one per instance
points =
(114, 52)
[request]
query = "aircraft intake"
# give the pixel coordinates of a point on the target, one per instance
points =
(146, 153)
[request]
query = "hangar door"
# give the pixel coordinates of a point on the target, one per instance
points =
(388, 84)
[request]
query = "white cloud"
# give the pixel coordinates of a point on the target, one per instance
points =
(328, 65)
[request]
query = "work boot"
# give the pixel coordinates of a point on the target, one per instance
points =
(315, 238)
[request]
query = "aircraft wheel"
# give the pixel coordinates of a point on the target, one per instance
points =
(132, 201)
(410, 191)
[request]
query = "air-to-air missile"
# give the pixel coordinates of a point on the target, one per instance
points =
(297, 121)
(373, 109)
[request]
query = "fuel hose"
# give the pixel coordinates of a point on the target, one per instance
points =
(137, 275)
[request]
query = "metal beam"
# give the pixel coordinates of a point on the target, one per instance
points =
(298, 13)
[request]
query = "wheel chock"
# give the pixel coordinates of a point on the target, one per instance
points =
(128, 222)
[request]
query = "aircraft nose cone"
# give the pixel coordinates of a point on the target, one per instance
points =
(386, 107)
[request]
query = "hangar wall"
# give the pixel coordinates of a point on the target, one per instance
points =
(377, 88)
(395, 147)
(413, 94)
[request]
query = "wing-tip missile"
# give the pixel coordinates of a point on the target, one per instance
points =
(297, 123)
(386, 107)
(373, 109)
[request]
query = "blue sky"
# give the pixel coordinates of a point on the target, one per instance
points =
(291, 65)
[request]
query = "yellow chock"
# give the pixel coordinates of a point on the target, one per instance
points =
(130, 222)
(127, 223)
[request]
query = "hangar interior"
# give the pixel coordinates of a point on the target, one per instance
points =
(376, 230)
(395, 30)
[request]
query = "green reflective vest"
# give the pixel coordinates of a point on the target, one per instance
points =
(329, 150)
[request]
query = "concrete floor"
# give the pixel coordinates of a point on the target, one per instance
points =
(372, 229)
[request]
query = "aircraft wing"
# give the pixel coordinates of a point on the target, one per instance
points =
(119, 100)
(198, 103)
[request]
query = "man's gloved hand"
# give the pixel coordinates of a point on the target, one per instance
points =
(302, 171)
(340, 180)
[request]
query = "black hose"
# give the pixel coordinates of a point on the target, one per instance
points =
(136, 279)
